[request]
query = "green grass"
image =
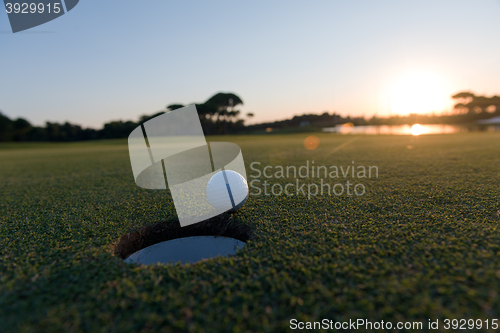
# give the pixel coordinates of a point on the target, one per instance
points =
(422, 243)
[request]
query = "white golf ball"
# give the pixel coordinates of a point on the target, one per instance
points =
(227, 190)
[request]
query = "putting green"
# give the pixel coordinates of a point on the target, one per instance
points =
(422, 242)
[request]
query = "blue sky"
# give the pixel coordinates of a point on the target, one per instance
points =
(108, 60)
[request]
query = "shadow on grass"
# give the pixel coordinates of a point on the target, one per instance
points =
(224, 225)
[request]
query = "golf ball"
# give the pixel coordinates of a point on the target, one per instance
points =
(227, 190)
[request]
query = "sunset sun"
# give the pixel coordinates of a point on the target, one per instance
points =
(418, 92)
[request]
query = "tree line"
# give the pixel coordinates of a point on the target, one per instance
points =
(468, 109)
(218, 115)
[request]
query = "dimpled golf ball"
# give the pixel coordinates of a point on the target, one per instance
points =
(227, 190)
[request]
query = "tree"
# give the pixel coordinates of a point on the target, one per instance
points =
(464, 95)
(224, 100)
(173, 107)
(21, 128)
(144, 118)
(5, 128)
(470, 103)
(223, 104)
(206, 111)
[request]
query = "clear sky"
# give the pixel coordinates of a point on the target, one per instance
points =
(115, 59)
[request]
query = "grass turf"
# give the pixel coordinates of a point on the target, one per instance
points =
(422, 243)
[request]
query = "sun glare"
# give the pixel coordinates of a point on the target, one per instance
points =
(311, 142)
(416, 129)
(418, 92)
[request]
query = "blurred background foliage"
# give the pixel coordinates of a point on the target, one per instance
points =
(218, 115)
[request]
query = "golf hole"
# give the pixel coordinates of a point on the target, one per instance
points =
(167, 242)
